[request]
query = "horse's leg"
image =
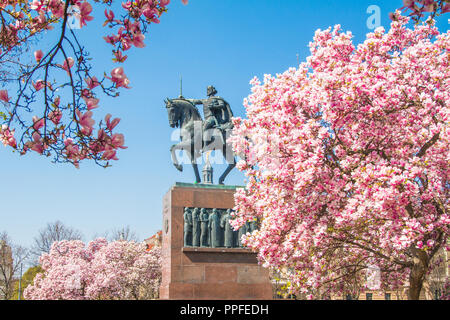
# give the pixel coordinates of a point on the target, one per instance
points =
(196, 172)
(173, 148)
(192, 156)
(226, 172)
(183, 145)
(230, 159)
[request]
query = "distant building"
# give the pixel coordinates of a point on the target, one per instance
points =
(433, 287)
(6, 270)
(155, 240)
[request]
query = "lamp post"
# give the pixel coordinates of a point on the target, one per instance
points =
(20, 282)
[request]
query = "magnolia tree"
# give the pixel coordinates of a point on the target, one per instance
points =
(347, 160)
(100, 270)
(48, 94)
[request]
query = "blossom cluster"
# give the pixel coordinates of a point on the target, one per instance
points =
(347, 157)
(418, 8)
(99, 270)
(57, 83)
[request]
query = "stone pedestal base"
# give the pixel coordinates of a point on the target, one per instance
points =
(191, 273)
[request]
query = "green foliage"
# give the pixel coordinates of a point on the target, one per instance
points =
(27, 279)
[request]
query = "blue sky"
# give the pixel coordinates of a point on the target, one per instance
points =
(220, 42)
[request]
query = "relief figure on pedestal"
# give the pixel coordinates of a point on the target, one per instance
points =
(242, 230)
(253, 226)
(214, 229)
(196, 227)
(228, 230)
(187, 227)
(204, 234)
(211, 228)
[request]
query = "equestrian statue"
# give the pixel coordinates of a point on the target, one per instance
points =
(199, 135)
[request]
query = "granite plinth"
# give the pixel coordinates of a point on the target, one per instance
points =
(206, 273)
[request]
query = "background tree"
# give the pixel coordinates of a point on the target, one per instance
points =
(349, 152)
(54, 231)
(446, 293)
(27, 279)
(353, 282)
(124, 233)
(99, 270)
(48, 94)
(12, 258)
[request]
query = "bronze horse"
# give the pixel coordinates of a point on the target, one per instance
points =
(194, 141)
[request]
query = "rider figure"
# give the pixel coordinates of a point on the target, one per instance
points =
(217, 112)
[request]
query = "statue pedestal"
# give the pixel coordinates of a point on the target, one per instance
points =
(190, 273)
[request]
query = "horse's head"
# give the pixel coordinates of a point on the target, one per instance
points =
(173, 112)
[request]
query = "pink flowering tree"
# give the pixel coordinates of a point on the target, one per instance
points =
(101, 270)
(48, 95)
(347, 160)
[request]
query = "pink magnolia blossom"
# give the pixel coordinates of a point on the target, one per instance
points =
(110, 39)
(37, 143)
(54, 124)
(119, 78)
(150, 12)
(119, 57)
(138, 40)
(111, 124)
(37, 5)
(38, 85)
(109, 16)
(92, 82)
(347, 159)
(55, 116)
(86, 121)
(68, 63)
(117, 140)
(109, 153)
(38, 55)
(7, 136)
(72, 152)
(418, 7)
(91, 103)
(4, 95)
(85, 10)
(38, 123)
